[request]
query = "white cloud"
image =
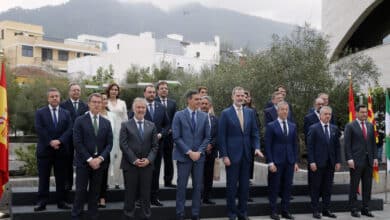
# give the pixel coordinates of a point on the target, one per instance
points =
(28, 4)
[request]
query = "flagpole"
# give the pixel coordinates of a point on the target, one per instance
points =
(387, 159)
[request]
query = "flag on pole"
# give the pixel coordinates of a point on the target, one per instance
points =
(351, 103)
(387, 130)
(3, 131)
(371, 118)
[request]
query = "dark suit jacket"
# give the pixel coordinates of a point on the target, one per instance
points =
(171, 108)
(133, 146)
(356, 147)
(271, 114)
(85, 140)
(46, 131)
(308, 121)
(320, 148)
(279, 148)
(213, 135)
(160, 119)
(232, 141)
(68, 105)
(186, 138)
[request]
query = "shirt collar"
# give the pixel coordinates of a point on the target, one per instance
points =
(51, 107)
(91, 115)
(237, 108)
(323, 124)
(136, 120)
(281, 120)
(72, 100)
(190, 110)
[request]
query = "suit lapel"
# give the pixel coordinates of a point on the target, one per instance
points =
(234, 117)
(135, 128)
(49, 113)
(188, 118)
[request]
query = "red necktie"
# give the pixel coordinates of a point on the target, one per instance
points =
(364, 131)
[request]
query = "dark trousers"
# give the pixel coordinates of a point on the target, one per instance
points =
(104, 185)
(284, 172)
(168, 162)
(137, 183)
(363, 173)
(86, 176)
(69, 169)
(237, 184)
(156, 176)
(321, 182)
(208, 176)
(184, 170)
(44, 168)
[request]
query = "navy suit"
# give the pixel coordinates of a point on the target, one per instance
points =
(325, 153)
(86, 143)
(82, 108)
(282, 151)
(168, 142)
(238, 145)
(47, 156)
(210, 159)
(161, 121)
(187, 138)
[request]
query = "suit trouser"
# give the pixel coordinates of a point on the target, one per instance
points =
(69, 170)
(321, 182)
(156, 175)
(137, 182)
(184, 169)
(87, 176)
(168, 162)
(363, 173)
(104, 182)
(208, 176)
(45, 164)
(284, 172)
(237, 174)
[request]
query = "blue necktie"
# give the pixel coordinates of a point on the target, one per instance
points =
(193, 120)
(151, 111)
(141, 131)
(55, 117)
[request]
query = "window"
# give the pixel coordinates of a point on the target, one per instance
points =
(47, 54)
(117, 46)
(2, 34)
(63, 55)
(27, 51)
(78, 54)
(197, 54)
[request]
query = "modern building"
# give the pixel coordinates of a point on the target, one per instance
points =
(360, 27)
(25, 45)
(123, 51)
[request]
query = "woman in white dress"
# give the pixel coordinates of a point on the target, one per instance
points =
(114, 126)
(118, 107)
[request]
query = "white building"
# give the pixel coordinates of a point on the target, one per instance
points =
(123, 50)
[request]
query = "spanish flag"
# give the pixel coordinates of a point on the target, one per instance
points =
(351, 103)
(3, 131)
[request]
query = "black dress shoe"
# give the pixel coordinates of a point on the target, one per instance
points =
(39, 208)
(317, 215)
(100, 205)
(117, 187)
(208, 202)
(156, 202)
(179, 217)
(243, 218)
(355, 214)
(367, 213)
(287, 215)
(170, 185)
(327, 213)
(250, 199)
(63, 206)
(275, 216)
(195, 217)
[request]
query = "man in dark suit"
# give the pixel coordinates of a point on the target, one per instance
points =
(191, 134)
(361, 155)
(76, 107)
(270, 113)
(157, 114)
(92, 139)
(323, 156)
(211, 150)
(281, 150)
(280, 89)
(139, 146)
(167, 146)
(325, 98)
(238, 136)
(54, 127)
(312, 117)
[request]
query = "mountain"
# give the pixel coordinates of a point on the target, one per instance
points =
(107, 17)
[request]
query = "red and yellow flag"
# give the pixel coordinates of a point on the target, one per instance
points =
(3, 131)
(351, 103)
(371, 118)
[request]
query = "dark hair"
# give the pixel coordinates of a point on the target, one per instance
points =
(189, 94)
(202, 87)
(52, 90)
(161, 83)
(73, 84)
(151, 86)
(103, 93)
(94, 95)
(280, 86)
(358, 107)
(110, 87)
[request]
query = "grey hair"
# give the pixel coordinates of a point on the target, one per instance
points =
(237, 88)
(323, 108)
(208, 98)
(281, 103)
(139, 100)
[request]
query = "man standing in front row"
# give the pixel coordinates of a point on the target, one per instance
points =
(361, 155)
(238, 135)
(139, 146)
(54, 128)
(323, 156)
(191, 134)
(281, 150)
(92, 139)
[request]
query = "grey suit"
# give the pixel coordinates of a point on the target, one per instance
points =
(137, 179)
(363, 152)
